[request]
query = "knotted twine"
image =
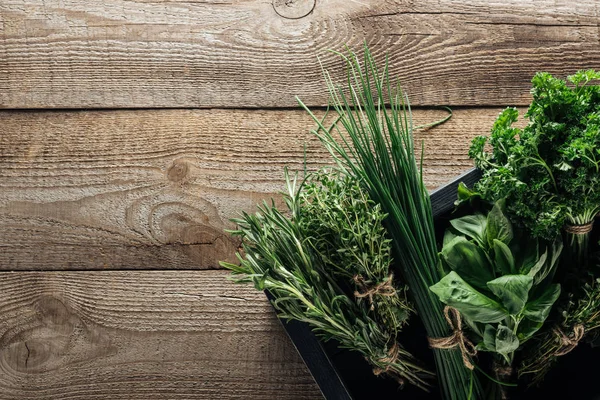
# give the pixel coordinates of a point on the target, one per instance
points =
(567, 343)
(579, 229)
(384, 288)
(389, 359)
(457, 339)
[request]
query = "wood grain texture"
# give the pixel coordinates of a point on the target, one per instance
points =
(155, 189)
(261, 53)
(143, 335)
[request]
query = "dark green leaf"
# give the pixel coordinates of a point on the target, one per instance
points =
(498, 226)
(506, 340)
(469, 261)
(535, 268)
(473, 226)
(489, 337)
(527, 328)
(503, 257)
(551, 265)
(538, 309)
(512, 290)
(455, 292)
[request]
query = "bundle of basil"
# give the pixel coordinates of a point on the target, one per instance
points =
(356, 254)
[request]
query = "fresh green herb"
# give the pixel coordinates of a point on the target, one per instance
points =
(349, 237)
(284, 256)
(501, 285)
(548, 172)
(579, 319)
(375, 145)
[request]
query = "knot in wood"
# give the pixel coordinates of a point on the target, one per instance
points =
(178, 171)
(293, 9)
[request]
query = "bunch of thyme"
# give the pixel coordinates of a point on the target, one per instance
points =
(351, 241)
(283, 255)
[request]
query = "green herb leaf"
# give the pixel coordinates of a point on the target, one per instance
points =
(503, 257)
(455, 292)
(469, 261)
(498, 226)
(539, 309)
(512, 290)
(473, 226)
(506, 340)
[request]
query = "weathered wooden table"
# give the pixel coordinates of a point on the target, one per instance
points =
(131, 132)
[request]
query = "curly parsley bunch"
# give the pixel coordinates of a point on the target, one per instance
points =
(549, 171)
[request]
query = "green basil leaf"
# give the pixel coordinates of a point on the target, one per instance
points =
(506, 340)
(527, 328)
(469, 261)
(489, 337)
(539, 309)
(503, 257)
(527, 253)
(538, 264)
(549, 267)
(473, 226)
(449, 236)
(512, 290)
(498, 226)
(455, 292)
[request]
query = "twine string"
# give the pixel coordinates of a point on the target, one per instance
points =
(579, 229)
(457, 339)
(385, 288)
(389, 360)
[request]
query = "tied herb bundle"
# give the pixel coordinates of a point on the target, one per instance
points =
(578, 318)
(351, 241)
(375, 145)
(309, 260)
(548, 172)
(499, 282)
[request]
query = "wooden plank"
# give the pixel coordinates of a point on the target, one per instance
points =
(257, 53)
(155, 189)
(143, 335)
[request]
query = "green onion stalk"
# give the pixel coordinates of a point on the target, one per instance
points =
(379, 151)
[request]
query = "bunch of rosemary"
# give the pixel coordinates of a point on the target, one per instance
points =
(376, 147)
(310, 261)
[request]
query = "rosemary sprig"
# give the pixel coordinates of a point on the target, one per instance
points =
(280, 257)
(379, 151)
